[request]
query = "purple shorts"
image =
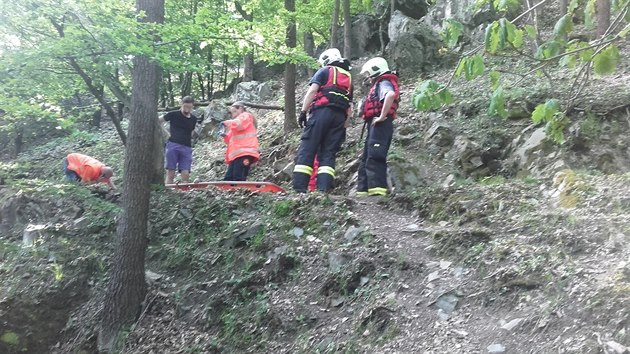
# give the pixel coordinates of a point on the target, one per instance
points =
(177, 157)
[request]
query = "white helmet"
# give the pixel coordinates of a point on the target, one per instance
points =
(330, 56)
(375, 67)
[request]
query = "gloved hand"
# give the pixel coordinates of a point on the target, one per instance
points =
(302, 119)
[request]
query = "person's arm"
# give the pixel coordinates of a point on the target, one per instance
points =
(387, 104)
(111, 184)
(310, 97)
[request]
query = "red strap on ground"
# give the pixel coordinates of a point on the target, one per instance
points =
(266, 187)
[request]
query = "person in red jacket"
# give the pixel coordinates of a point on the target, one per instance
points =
(87, 170)
(379, 112)
(241, 137)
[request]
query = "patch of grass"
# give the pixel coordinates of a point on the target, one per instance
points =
(492, 180)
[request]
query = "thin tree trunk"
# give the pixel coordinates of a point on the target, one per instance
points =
(564, 5)
(211, 73)
(603, 16)
(202, 86)
(171, 94)
(309, 48)
(290, 122)
(96, 118)
(334, 28)
(347, 30)
(127, 287)
(18, 141)
(225, 71)
(248, 67)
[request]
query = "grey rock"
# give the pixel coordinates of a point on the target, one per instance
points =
(336, 261)
(352, 233)
(415, 46)
(412, 228)
(512, 324)
(617, 348)
(412, 8)
(447, 302)
(32, 233)
(253, 91)
(496, 348)
(297, 232)
(152, 276)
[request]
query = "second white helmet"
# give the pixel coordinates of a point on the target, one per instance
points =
(330, 56)
(375, 67)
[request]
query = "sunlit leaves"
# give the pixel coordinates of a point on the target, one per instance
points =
(430, 95)
(605, 62)
(501, 35)
(451, 31)
(497, 104)
(556, 121)
(472, 67)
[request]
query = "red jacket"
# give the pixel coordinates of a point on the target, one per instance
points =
(337, 91)
(241, 138)
(373, 105)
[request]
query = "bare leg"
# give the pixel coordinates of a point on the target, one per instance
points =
(185, 176)
(170, 176)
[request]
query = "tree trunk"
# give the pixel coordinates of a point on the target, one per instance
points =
(334, 28)
(202, 86)
(127, 287)
(171, 94)
(347, 30)
(290, 122)
(96, 118)
(18, 141)
(564, 5)
(159, 139)
(309, 48)
(225, 71)
(603, 16)
(248, 67)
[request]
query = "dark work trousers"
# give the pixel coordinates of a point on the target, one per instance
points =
(372, 177)
(323, 135)
(238, 169)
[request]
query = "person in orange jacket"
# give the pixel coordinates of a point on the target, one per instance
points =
(241, 137)
(87, 170)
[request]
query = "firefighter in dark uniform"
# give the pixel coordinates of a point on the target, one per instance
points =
(329, 103)
(379, 112)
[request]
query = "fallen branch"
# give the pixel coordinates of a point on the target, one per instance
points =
(247, 104)
(259, 106)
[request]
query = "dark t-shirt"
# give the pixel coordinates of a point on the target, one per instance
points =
(320, 77)
(181, 127)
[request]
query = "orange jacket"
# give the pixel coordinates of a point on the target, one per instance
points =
(241, 138)
(88, 168)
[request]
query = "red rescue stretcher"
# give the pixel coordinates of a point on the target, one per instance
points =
(266, 187)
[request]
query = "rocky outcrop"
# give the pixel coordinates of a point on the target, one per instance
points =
(413, 46)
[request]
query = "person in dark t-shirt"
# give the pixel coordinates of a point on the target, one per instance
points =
(178, 150)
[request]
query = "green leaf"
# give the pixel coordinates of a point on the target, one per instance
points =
(460, 67)
(10, 338)
(494, 79)
(606, 61)
(531, 31)
(452, 30)
(492, 38)
(563, 26)
(544, 112)
(430, 95)
(624, 32)
(570, 61)
(474, 67)
(573, 5)
(517, 41)
(497, 104)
